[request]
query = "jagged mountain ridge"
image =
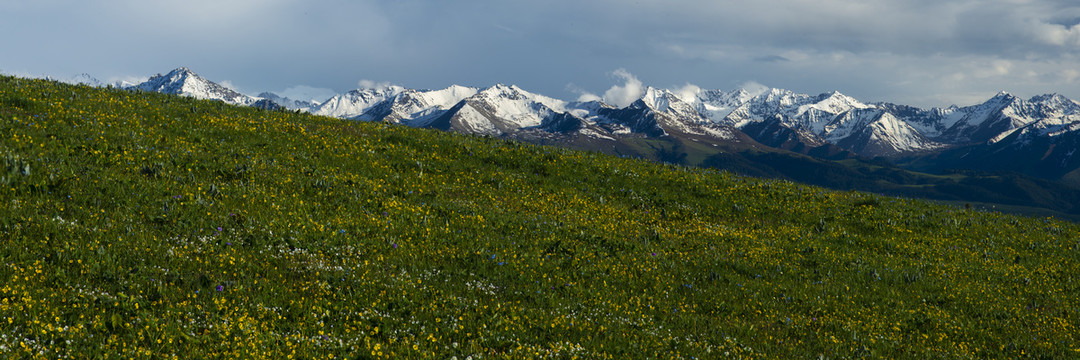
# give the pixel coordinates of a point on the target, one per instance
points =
(183, 81)
(291, 104)
(773, 117)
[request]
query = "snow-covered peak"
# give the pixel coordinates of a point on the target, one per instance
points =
(1001, 98)
(1055, 101)
(515, 106)
(355, 102)
(291, 104)
(657, 99)
(1001, 113)
(751, 90)
(782, 98)
(837, 102)
(414, 107)
(512, 92)
(836, 99)
(183, 81)
(83, 79)
(444, 98)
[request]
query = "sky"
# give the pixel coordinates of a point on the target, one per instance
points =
(916, 52)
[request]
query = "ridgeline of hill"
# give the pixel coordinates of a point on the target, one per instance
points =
(141, 225)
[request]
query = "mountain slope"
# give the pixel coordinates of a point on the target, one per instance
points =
(225, 231)
(829, 125)
(355, 102)
(415, 107)
(291, 104)
(498, 110)
(183, 81)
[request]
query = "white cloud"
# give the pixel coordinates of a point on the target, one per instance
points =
(688, 93)
(996, 68)
(754, 88)
(371, 84)
(1070, 75)
(583, 96)
(1057, 35)
(869, 49)
(587, 96)
(623, 95)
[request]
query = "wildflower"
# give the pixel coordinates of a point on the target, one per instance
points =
(220, 287)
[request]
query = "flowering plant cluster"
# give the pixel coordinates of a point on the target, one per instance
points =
(141, 225)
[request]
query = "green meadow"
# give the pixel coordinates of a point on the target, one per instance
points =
(147, 226)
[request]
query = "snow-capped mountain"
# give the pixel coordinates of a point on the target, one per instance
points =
(1039, 136)
(1003, 112)
(782, 118)
(663, 113)
(82, 79)
(291, 104)
(183, 81)
(498, 110)
(778, 116)
(1045, 115)
(877, 132)
(416, 107)
(828, 123)
(356, 102)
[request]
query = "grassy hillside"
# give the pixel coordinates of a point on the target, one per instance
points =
(150, 226)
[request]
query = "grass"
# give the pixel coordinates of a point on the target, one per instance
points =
(140, 225)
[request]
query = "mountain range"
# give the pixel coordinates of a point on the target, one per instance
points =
(1037, 137)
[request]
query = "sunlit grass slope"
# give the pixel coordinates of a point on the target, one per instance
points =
(148, 226)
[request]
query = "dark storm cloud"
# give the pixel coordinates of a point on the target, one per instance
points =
(920, 52)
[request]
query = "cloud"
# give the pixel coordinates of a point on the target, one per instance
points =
(587, 96)
(869, 49)
(371, 84)
(754, 88)
(583, 96)
(1056, 34)
(688, 93)
(623, 95)
(227, 84)
(1070, 75)
(772, 59)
